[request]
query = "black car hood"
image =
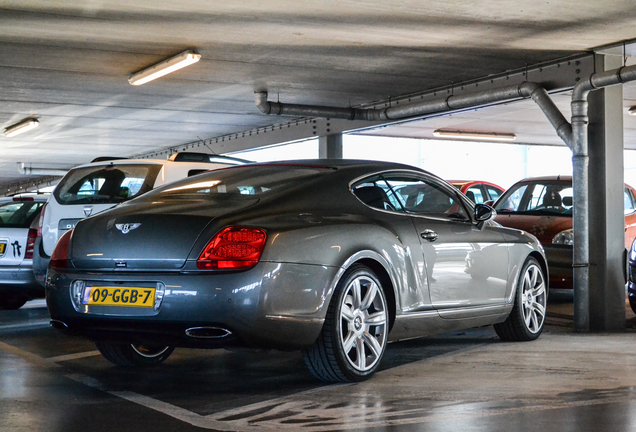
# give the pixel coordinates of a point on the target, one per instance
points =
(146, 236)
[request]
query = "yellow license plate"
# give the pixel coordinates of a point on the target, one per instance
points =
(119, 296)
(3, 246)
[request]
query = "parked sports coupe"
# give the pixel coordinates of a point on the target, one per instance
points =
(331, 257)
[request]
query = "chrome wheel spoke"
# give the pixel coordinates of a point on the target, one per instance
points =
(373, 345)
(355, 293)
(347, 313)
(538, 308)
(375, 319)
(349, 342)
(369, 297)
(361, 360)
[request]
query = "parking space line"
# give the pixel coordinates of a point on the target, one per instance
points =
(76, 356)
(32, 324)
(30, 357)
(303, 408)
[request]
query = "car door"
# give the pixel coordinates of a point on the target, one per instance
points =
(466, 265)
(630, 216)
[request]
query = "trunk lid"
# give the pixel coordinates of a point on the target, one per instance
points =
(146, 236)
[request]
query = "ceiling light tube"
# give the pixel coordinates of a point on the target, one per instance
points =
(165, 67)
(632, 111)
(492, 136)
(21, 127)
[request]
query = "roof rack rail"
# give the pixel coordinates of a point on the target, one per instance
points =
(107, 158)
(206, 157)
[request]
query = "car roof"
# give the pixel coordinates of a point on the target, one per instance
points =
(547, 178)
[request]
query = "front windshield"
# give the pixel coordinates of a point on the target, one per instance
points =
(539, 197)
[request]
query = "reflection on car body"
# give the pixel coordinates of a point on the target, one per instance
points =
(331, 257)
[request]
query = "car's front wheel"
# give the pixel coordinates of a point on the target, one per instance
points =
(134, 354)
(527, 317)
(354, 335)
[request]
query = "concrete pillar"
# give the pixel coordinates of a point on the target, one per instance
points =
(607, 232)
(330, 146)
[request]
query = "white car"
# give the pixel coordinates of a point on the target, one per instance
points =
(18, 216)
(92, 188)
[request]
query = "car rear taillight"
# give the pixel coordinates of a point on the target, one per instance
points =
(59, 258)
(30, 244)
(41, 220)
(233, 248)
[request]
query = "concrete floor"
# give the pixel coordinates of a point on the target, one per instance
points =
(466, 381)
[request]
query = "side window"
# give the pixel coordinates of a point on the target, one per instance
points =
(630, 202)
(425, 198)
(475, 195)
(493, 192)
(377, 193)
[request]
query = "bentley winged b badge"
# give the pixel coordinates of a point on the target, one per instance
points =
(126, 228)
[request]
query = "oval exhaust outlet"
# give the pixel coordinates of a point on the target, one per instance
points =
(208, 332)
(60, 325)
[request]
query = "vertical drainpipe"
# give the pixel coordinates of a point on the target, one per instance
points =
(581, 217)
(580, 166)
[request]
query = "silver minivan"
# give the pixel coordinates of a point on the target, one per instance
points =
(18, 222)
(92, 188)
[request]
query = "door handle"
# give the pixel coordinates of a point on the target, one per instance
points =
(429, 235)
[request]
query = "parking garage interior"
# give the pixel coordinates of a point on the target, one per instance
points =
(349, 79)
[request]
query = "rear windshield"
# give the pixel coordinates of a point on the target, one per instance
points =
(106, 184)
(19, 214)
(242, 181)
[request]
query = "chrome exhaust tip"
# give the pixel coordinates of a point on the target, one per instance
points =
(208, 332)
(60, 325)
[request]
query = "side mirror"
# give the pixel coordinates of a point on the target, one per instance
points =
(484, 213)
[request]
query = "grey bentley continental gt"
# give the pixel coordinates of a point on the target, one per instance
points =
(331, 257)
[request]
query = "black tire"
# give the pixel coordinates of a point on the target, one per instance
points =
(527, 318)
(354, 335)
(134, 354)
(12, 301)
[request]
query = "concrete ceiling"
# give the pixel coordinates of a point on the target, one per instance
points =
(67, 64)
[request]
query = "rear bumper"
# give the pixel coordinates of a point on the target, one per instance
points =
(560, 265)
(20, 279)
(273, 305)
(40, 262)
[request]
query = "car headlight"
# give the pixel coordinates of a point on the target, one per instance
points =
(564, 238)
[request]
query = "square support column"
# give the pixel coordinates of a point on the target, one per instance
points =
(606, 189)
(330, 146)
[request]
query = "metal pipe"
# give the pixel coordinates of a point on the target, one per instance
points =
(440, 105)
(28, 170)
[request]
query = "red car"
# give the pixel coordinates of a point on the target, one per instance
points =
(542, 206)
(478, 191)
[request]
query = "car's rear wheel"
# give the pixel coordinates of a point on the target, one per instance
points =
(354, 335)
(12, 301)
(527, 317)
(134, 354)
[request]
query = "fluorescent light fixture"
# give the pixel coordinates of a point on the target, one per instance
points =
(486, 136)
(21, 127)
(632, 111)
(165, 67)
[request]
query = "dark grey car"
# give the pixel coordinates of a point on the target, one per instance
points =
(331, 257)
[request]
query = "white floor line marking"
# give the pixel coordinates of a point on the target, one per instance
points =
(25, 355)
(67, 357)
(39, 323)
(300, 409)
